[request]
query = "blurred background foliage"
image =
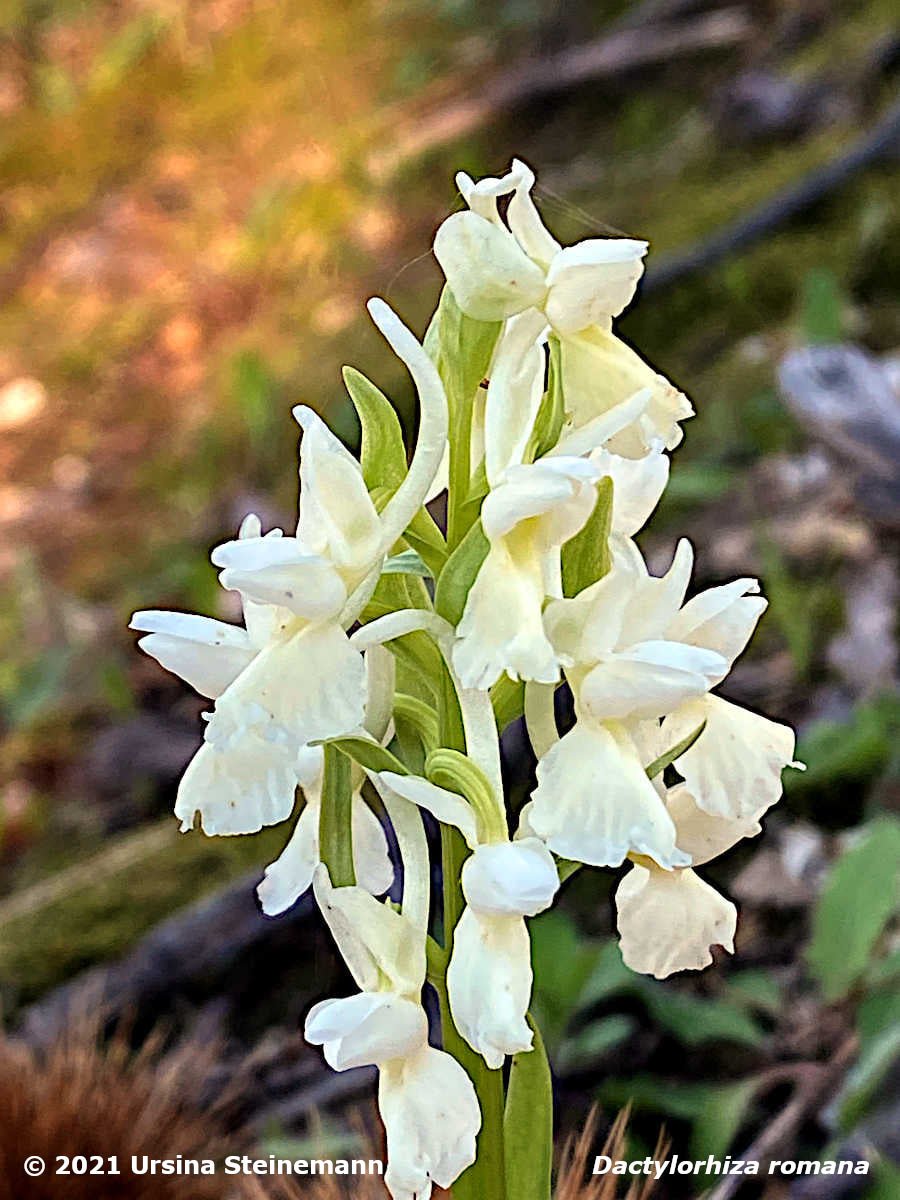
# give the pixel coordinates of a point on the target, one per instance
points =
(197, 199)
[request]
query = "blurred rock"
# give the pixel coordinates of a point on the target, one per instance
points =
(866, 653)
(760, 105)
(786, 874)
(846, 398)
(150, 748)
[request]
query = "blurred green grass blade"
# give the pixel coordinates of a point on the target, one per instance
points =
(720, 1118)
(859, 898)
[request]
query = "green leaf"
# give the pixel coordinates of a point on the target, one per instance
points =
(823, 307)
(585, 557)
(649, 1093)
(450, 724)
(691, 1019)
(335, 827)
(608, 977)
(478, 485)
(719, 1119)
(436, 962)
(846, 755)
(566, 868)
(864, 1081)
(586, 1047)
(886, 1184)
(551, 414)
(415, 650)
(408, 746)
(369, 755)
(756, 990)
(859, 898)
(563, 962)
(461, 349)
(885, 971)
(528, 1123)
(382, 452)
(878, 1012)
(478, 488)
(694, 1020)
(666, 760)
(459, 574)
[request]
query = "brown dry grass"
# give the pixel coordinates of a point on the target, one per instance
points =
(578, 1156)
(575, 1164)
(80, 1099)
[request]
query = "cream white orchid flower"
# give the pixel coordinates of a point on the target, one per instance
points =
(669, 920)
(427, 1102)
(636, 650)
(211, 661)
(734, 767)
(594, 803)
(497, 271)
(599, 371)
(527, 517)
(338, 522)
(489, 978)
(633, 652)
(244, 776)
(638, 485)
(300, 593)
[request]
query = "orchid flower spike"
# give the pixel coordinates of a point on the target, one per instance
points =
(427, 1102)
(489, 978)
(499, 270)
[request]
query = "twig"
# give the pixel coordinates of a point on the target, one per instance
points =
(604, 58)
(814, 1085)
(125, 854)
(778, 209)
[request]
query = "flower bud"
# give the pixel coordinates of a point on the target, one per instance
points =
(370, 1027)
(510, 878)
